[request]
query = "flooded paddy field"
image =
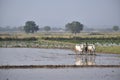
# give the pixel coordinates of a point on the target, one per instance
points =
(33, 56)
(36, 56)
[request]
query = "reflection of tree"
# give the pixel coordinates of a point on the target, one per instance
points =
(84, 59)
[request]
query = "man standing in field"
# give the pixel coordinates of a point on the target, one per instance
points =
(86, 47)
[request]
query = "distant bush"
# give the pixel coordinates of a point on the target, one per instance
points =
(96, 33)
(18, 39)
(80, 39)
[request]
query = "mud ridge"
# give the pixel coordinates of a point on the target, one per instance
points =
(56, 66)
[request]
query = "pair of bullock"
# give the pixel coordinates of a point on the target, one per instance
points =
(85, 48)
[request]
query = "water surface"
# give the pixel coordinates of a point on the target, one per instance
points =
(61, 74)
(36, 56)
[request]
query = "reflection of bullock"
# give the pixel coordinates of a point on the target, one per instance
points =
(84, 59)
(81, 62)
(78, 62)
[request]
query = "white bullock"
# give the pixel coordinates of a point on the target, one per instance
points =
(79, 48)
(91, 48)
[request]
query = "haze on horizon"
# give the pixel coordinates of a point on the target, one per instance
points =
(57, 13)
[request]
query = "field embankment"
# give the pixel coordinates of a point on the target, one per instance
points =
(56, 66)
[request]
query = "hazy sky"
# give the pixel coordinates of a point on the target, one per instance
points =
(56, 13)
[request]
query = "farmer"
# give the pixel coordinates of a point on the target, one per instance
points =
(86, 47)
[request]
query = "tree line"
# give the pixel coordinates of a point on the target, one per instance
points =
(31, 27)
(74, 27)
(8, 28)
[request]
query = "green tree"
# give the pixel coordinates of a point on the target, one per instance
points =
(115, 28)
(36, 28)
(31, 27)
(47, 28)
(74, 27)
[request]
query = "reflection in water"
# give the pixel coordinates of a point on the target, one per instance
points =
(84, 59)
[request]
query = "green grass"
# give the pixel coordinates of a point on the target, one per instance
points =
(108, 49)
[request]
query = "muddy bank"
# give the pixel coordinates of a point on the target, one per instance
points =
(99, 49)
(36, 44)
(56, 66)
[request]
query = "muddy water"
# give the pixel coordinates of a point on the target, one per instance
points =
(33, 56)
(61, 74)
